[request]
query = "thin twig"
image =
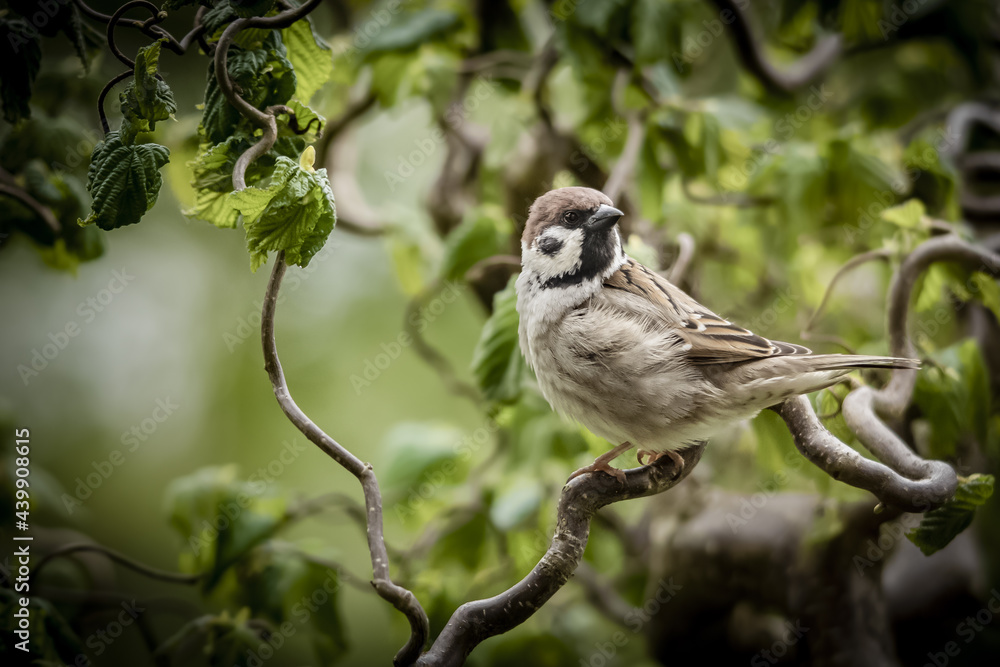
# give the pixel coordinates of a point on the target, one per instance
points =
(624, 168)
(399, 597)
(477, 270)
(737, 199)
(44, 212)
(685, 253)
(263, 120)
(855, 261)
(121, 559)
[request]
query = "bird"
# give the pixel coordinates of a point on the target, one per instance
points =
(621, 350)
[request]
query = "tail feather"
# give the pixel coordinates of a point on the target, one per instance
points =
(832, 362)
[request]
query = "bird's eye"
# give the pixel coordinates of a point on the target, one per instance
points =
(571, 216)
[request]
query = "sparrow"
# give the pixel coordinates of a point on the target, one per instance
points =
(618, 348)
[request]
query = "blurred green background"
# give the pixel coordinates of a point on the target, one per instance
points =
(773, 189)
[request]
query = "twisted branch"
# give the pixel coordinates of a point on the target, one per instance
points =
(903, 480)
(474, 622)
(263, 120)
(399, 597)
(808, 68)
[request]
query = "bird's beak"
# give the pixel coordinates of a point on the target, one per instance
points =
(604, 217)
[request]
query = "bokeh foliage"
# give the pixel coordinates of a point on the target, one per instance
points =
(777, 190)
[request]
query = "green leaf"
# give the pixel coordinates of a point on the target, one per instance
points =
(21, 55)
(908, 215)
(516, 504)
(248, 8)
(414, 448)
(294, 213)
(940, 526)
(483, 233)
(146, 99)
(656, 26)
(496, 361)
(264, 75)
(954, 398)
(410, 30)
(465, 545)
(221, 518)
(310, 56)
(124, 181)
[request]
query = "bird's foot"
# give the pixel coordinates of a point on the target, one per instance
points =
(603, 464)
(656, 456)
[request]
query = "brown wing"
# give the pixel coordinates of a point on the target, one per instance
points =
(709, 339)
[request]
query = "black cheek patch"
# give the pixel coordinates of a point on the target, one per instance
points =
(549, 245)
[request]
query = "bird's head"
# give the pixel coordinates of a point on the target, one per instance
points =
(571, 236)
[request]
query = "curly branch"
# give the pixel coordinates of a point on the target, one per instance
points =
(900, 479)
(263, 120)
(805, 70)
(893, 399)
(474, 622)
(399, 597)
(121, 559)
(820, 447)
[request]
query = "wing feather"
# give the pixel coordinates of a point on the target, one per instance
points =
(708, 338)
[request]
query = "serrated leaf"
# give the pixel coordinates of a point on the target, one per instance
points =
(124, 181)
(940, 526)
(496, 361)
(294, 213)
(146, 99)
(265, 78)
(21, 55)
(310, 56)
(908, 215)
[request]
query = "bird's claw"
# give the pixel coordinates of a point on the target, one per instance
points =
(600, 466)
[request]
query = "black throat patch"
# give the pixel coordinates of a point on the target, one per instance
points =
(596, 255)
